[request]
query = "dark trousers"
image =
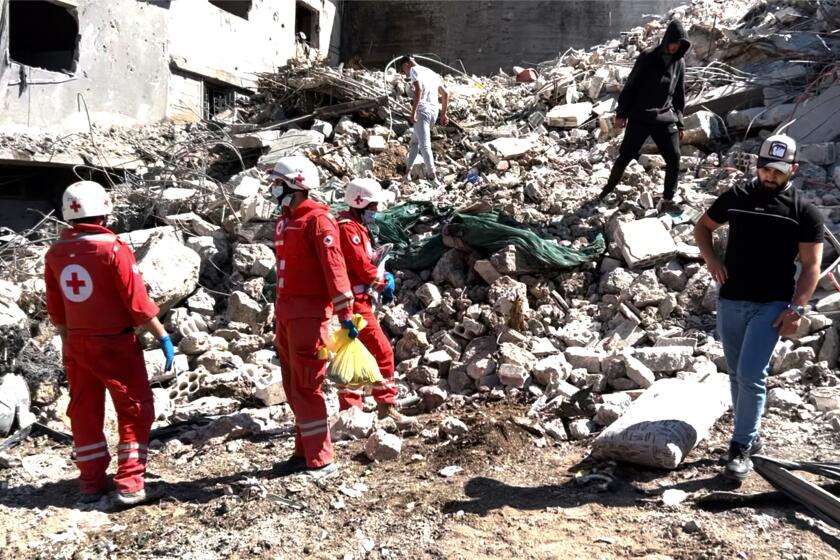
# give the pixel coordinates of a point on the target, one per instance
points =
(667, 139)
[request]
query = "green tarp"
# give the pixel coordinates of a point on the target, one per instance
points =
(485, 233)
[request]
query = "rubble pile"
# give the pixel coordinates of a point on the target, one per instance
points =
(486, 318)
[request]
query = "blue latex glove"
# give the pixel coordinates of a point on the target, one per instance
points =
(168, 351)
(352, 331)
(390, 288)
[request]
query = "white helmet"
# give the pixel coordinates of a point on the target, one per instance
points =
(361, 192)
(298, 172)
(85, 199)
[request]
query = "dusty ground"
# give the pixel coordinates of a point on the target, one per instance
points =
(516, 497)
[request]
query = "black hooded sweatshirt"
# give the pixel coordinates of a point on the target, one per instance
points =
(655, 90)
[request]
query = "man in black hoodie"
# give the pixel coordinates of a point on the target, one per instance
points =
(651, 104)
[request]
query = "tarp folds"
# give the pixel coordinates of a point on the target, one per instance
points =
(485, 232)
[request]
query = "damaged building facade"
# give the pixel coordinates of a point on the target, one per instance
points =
(67, 64)
(145, 61)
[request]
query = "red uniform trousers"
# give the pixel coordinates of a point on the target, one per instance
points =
(298, 343)
(114, 362)
(377, 343)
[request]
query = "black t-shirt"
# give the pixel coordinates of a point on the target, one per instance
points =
(765, 229)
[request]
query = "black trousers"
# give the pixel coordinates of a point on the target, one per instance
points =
(667, 139)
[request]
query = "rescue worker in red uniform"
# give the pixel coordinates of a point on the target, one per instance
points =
(363, 197)
(312, 285)
(95, 298)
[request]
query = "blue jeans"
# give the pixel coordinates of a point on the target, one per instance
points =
(748, 336)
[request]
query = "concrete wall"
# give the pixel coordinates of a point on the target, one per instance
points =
(146, 60)
(122, 70)
(486, 35)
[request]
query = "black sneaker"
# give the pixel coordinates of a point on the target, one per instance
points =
(605, 192)
(739, 465)
(757, 446)
(293, 464)
(667, 206)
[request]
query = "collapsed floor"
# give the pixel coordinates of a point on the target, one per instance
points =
(537, 326)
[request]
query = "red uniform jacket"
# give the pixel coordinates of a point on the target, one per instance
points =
(355, 244)
(93, 285)
(311, 274)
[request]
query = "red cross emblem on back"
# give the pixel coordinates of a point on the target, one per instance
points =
(75, 206)
(75, 283)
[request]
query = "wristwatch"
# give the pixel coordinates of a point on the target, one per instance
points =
(800, 310)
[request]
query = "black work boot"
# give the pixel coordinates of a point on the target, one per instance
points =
(739, 465)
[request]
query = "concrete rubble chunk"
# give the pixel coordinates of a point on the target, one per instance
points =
(512, 375)
(512, 354)
(825, 399)
(253, 259)
(570, 115)
(169, 269)
(551, 369)
(292, 142)
(376, 143)
(644, 242)
(587, 358)
(506, 295)
(581, 429)
(701, 128)
(256, 208)
(664, 358)
(451, 269)
(507, 148)
(453, 427)
(782, 398)
(205, 406)
(242, 309)
(247, 187)
(638, 372)
(413, 343)
(429, 294)
(486, 270)
(382, 446)
(352, 423)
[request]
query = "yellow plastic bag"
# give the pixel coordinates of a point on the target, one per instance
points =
(352, 364)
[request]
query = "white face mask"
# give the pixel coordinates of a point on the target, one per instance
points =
(282, 192)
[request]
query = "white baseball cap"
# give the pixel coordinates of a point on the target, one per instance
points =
(778, 152)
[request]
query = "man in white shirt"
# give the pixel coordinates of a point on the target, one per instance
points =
(428, 87)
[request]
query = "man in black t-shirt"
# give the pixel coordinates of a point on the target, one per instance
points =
(769, 226)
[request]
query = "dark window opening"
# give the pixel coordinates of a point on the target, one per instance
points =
(239, 8)
(217, 98)
(43, 34)
(306, 22)
(29, 190)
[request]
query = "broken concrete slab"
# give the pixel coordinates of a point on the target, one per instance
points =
(570, 115)
(292, 142)
(644, 242)
(664, 358)
(507, 148)
(817, 119)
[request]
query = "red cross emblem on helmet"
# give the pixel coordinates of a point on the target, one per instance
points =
(75, 206)
(300, 179)
(358, 199)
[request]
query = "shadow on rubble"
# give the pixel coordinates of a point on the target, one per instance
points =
(64, 493)
(621, 490)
